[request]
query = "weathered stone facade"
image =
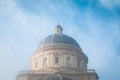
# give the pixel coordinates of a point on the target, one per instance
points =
(58, 58)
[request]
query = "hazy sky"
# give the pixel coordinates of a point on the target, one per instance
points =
(95, 24)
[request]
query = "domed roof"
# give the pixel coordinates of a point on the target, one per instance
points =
(59, 38)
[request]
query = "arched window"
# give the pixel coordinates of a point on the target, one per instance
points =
(68, 60)
(36, 64)
(56, 60)
(45, 61)
(82, 63)
(78, 62)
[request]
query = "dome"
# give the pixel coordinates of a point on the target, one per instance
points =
(59, 38)
(58, 51)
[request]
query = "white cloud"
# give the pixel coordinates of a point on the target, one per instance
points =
(98, 43)
(22, 31)
(110, 4)
(17, 30)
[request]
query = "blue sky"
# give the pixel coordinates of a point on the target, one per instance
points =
(95, 24)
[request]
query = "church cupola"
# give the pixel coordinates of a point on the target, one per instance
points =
(58, 57)
(58, 29)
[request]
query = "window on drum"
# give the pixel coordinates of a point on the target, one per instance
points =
(68, 60)
(57, 59)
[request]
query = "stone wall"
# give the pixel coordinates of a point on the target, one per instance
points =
(72, 76)
(44, 58)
